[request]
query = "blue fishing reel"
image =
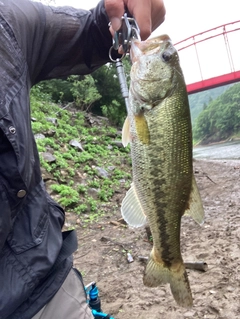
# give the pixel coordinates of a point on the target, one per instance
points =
(94, 301)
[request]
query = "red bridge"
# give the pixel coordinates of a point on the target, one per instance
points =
(211, 58)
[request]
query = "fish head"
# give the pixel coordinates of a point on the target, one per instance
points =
(154, 73)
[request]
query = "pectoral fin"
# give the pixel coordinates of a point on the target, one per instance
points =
(142, 129)
(132, 211)
(195, 209)
(126, 132)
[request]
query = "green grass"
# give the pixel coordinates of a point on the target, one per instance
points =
(73, 172)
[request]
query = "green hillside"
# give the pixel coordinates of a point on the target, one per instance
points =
(83, 162)
(220, 119)
(199, 101)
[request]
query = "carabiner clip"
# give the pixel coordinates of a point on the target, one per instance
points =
(126, 33)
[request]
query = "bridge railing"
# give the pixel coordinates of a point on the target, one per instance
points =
(211, 55)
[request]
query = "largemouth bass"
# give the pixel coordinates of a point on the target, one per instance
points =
(158, 128)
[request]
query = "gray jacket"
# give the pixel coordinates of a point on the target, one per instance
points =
(36, 43)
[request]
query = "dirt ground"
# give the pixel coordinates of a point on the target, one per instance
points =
(102, 257)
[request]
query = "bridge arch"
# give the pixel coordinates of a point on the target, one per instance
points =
(211, 58)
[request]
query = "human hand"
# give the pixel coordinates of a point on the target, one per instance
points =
(149, 14)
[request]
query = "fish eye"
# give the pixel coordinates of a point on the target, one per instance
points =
(166, 56)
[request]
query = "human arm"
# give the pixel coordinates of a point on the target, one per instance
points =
(59, 41)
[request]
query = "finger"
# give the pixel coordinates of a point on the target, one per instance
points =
(141, 11)
(115, 11)
(159, 17)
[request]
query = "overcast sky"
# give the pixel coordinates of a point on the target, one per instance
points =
(185, 18)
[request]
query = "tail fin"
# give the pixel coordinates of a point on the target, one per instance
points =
(157, 274)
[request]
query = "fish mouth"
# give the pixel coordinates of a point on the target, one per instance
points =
(148, 47)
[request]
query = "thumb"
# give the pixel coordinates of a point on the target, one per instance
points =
(115, 11)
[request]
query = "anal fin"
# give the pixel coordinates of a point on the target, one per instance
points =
(195, 209)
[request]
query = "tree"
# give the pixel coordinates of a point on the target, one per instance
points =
(111, 103)
(84, 92)
(99, 92)
(60, 90)
(221, 117)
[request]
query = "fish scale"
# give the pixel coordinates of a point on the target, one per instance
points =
(162, 173)
(163, 189)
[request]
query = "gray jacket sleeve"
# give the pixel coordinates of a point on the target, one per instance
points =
(59, 41)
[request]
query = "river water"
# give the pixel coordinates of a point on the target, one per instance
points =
(229, 150)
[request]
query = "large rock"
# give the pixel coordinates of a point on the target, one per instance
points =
(76, 144)
(101, 172)
(48, 157)
(39, 136)
(118, 144)
(52, 120)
